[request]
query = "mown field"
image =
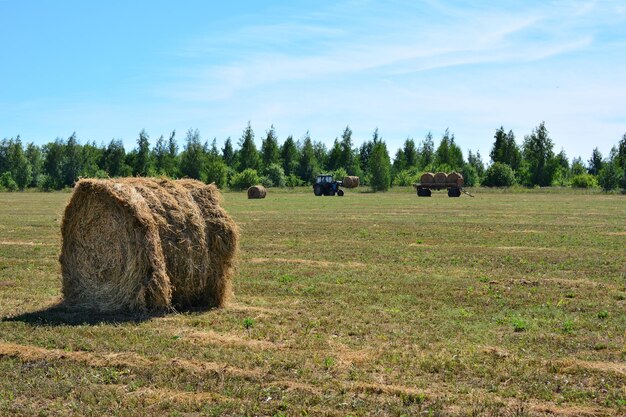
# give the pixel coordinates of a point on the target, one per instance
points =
(370, 304)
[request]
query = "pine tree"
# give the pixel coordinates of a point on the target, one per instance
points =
(290, 156)
(476, 161)
(72, 161)
(410, 153)
(399, 162)
(426, 152)
(321, 154)
(448, 155)
(114, 159)
(35, 159)
(364, 155)
(143, 161)
(91, 156)
(193, 157)
(380, 167)
(269, 148)
(308, 167)
(52, 163)
(595, 162)
(228, 154)
(248, 154)
(334, 157)
(537, 155)
(347, 160)
(505, 150)
(19, 166)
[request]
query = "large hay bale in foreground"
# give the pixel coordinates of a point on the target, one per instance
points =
(146, 244)
(441, 178)
(427, 178)
(350, 181)
(257, 191)
(456, 178)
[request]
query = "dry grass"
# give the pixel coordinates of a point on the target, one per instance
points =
(387, 313)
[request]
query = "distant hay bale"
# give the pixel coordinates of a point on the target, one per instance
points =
(427, 178)
(350, 181)
(139, 244)
(456, 178)
(257, 191)
(441, 178)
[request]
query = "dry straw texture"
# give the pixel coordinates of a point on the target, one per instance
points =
(427, 178)
(350, 181)
(456, 178)
(146, 244)
(257, 191)
(441, 178)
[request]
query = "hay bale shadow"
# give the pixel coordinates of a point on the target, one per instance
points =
(60, 315)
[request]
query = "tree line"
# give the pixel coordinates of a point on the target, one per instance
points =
(61, 163)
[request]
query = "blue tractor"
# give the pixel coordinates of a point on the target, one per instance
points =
(326, 185)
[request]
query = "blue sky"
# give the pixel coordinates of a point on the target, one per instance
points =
(109, 69)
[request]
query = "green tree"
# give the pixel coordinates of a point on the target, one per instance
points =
(72, 161)
(7, 182)
(380, 166)
(577, 167)
(505, 149)
(348, 159)
(19, 166)
(410, 153)
(584, 180)
(35, 159)
(270, 150)
(308, 167)
(470, 176)
(321, 154)
(114, 159)
(620, 159)
(609, 176)
(499, 174)
(172, 162)
(426, 152)
(164, 156)
(245, 179)
(595, 162)
(276, 174)
(364, 155)
(248, 154)
(216, 171)
(290, 156)
(52, 163)
(399, 162)
(143, 165)
(228, 154)
(91, 155)
(476, 162)
(334, 156)
(193, 157)
(4, 155)
(561, 169)
(537, 156)
(159, 155)
(448, 154)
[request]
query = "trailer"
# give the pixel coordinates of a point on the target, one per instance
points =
(452, 182)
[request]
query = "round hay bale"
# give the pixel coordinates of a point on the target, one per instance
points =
(427, 178)
(257, 191)
(146, 244)
(350, 181)
(456, 178)
(441, 178)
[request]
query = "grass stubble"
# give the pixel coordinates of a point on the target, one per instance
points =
(370, 304)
